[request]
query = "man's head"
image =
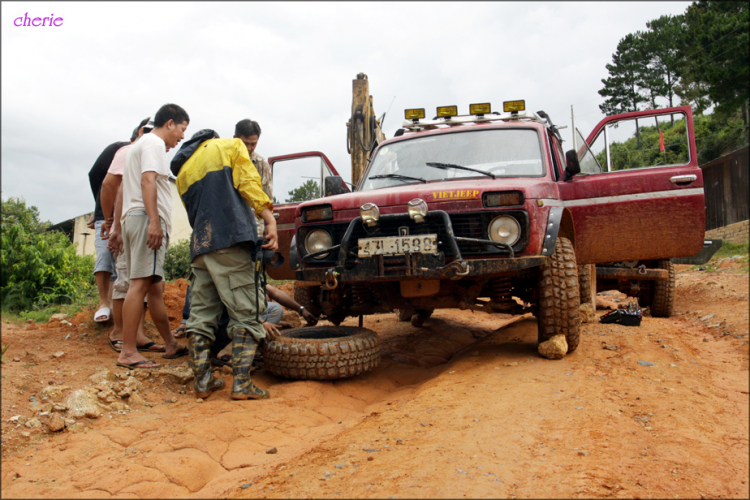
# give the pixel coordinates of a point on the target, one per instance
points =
(170, 124)
(143, 128)
(214, 134)
(248, 132)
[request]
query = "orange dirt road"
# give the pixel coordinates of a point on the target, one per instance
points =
(462, 407)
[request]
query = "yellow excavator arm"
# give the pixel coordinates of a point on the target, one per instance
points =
(363, 128)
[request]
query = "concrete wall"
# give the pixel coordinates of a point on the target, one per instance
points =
(734, 233)
(83, 237)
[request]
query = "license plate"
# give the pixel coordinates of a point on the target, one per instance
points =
(397, 245)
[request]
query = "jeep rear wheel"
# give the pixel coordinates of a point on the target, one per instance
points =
(662, 304)
(587, 284)
(558, 310)
(322, 353)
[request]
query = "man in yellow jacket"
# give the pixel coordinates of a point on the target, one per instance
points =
(222, 193)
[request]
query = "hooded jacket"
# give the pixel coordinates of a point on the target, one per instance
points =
(221, 190)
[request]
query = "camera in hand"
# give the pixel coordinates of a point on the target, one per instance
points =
(268, 257)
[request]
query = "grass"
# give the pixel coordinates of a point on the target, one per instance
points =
(43, 314)
(728, 250)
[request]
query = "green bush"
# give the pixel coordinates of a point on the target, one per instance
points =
(39, 267)
(177, 261)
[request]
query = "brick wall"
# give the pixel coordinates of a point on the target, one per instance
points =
(734, 233)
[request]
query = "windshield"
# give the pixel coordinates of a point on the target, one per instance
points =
(500, 152)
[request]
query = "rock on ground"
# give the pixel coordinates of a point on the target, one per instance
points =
(587, 313)
(82, 403)
(53, 392)
(554, 348)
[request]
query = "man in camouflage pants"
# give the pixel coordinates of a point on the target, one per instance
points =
(221, 191)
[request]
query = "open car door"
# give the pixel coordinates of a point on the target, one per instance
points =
(297, 177)
(639, 195)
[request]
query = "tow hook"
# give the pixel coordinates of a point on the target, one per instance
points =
(461, 268)
(331, 281)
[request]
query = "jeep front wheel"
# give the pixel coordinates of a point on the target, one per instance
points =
(559, 301)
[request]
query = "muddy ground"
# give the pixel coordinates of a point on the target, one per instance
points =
(462, 407)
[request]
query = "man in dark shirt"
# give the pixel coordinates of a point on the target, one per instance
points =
(104, 269)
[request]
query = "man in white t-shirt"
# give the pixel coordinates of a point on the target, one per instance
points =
(110, 230)
(146, 223)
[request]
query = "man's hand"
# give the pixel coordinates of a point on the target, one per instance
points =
(309, 317)
(104, 233)
(90, 223)
(155, 235)
(271, 331)
(115, 243)
(270, 231)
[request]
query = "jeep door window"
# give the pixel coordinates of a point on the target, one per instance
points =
(298, 179)
(501, 152)
(655, 141)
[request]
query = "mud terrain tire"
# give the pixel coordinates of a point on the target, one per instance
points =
(662, 304)
(304, 295)
(322, 353)
(587, 284)
(559, 302)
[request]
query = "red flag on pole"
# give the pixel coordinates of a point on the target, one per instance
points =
(661, 141)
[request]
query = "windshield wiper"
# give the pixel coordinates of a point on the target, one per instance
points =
(398, 176)
(446, 166)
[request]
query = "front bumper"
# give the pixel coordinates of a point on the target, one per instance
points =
(413, 265)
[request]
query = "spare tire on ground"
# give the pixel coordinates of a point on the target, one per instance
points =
(322, 352)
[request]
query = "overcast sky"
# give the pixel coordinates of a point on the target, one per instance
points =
(69, 91)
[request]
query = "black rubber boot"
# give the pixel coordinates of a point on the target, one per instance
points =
(203, 383)
(244, 346)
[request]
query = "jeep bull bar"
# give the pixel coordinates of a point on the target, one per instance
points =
(412, 265)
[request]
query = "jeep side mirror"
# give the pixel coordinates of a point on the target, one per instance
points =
(572, 166)
(334, 184)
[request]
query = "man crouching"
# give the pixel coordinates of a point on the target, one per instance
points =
(222, 193)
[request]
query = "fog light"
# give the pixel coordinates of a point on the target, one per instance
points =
(505, 229)
(370, 214)
(318, 240)
(417, 209)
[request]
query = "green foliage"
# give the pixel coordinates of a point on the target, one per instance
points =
(716, 52)
(177, 261)
(629, 154)
(40, 267)
(3, 354)
(310, 190)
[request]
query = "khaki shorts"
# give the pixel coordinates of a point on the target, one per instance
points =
(122, 282)
(142, 262)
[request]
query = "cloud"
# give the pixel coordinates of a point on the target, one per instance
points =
(68, 92)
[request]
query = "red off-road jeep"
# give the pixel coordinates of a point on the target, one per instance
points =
(485, 211)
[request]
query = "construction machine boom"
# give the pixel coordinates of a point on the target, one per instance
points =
(363, 128)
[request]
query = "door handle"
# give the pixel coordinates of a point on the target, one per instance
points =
(276, 214)
(679, 179)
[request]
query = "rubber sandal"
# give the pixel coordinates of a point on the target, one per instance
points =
(135, 366)
(116, 345)
(182, 351)
(104, 312)
(146, 347)
(179, 332)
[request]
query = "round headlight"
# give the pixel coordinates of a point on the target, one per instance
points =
(318, 240)
(417, 209)
(370, 214)
(505, 229)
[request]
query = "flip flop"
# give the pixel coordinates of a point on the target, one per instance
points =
(147, 347)
(116, 345)
(179, 332)
(183, 351)
(103, 312)
(135, 366)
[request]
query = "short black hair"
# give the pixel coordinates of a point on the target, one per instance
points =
(170, 112)
(246, 128)
(136, 129)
